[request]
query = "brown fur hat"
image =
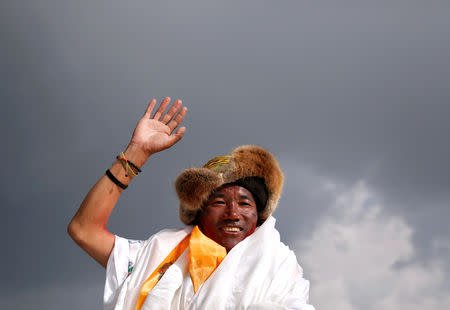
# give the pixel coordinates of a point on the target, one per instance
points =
(194, 185)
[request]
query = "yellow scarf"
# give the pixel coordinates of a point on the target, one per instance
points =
(204, 257)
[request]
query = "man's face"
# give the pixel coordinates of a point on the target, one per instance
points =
(229, 215)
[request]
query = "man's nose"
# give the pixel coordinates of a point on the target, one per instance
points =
(231, 211)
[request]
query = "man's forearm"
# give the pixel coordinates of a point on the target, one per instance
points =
(88, 226)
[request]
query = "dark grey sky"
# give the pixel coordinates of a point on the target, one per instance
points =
(353, 98)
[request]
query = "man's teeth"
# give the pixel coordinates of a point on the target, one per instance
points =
(233, 229)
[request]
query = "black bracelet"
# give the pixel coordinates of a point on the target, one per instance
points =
(132, 165)
(115, 181)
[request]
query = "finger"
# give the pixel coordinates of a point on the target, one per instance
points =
(177, 119)
(171, 112)
(174, 138)
(150, 107)
(180, 131)
(161, 108)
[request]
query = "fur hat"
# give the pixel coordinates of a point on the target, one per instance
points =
(248, 166)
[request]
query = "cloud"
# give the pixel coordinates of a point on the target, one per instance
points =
(361, 257)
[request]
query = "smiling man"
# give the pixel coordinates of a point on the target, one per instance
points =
(229, 256)
(229, 215)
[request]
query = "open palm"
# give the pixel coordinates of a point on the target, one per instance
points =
(154, 134)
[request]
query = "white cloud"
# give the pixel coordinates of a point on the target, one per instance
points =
(361, 257)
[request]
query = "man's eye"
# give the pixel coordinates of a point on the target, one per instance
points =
(218, 202)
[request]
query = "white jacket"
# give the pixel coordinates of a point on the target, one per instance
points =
(260, 272)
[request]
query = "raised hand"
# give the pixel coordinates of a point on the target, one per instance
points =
(151, 135)
(154, 134)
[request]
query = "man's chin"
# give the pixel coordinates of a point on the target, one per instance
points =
(230, 243)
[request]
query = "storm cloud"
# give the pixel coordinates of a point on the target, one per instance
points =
(352, 97)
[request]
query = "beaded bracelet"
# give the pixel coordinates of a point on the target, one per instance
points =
(126, 165)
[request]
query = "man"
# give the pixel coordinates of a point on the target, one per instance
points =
(228, 257)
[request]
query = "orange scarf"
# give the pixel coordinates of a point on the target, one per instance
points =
(204, 257)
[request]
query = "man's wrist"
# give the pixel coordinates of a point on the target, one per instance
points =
(136, 154)
(133, 153)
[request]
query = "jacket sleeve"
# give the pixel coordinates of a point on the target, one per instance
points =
(120, 264)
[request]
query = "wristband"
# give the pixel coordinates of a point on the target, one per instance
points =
(133, 165)
(128, 166)
(114, 180)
